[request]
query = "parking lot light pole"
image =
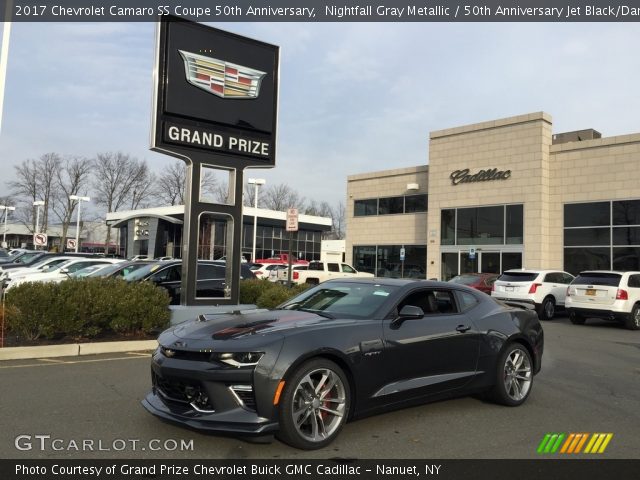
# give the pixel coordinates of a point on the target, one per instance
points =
(6, 215)
(256, 182)
(38, 204)
(79, 200)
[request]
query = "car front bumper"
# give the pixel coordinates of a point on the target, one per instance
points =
(193, 394)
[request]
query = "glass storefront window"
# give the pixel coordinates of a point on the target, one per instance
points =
(585, 258)
(626, 235)
(364, 259)
(514, 224)
(415, 203)
(447, 228)
(594, 214)
(575, 237)
(625, 259)
(626, 212)
(480, 226)
(390, 205)
(363, 208)
(384, 260)
(511, 260)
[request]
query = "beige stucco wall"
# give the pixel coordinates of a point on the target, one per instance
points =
(543, 177)
(592, 170)
(409, 229)
(519, 144)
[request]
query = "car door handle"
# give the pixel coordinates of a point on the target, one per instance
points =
(463, 328)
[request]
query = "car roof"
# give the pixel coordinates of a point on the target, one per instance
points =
(529, 270)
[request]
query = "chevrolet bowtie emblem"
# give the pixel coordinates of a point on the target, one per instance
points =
(224, 79)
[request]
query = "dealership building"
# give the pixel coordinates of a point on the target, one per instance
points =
(157, 232)
(501, 194)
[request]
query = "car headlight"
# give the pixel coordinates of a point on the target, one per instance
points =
(238, 359)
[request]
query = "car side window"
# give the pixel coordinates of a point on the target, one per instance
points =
(567, 279)
(78, 266)
(432, 302)
(634, 281)
(551, 278)
(169, 274)
(347, 269)
(208, 272)
(333, 267)
(467, 301)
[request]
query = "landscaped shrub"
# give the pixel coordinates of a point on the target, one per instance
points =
(86, 308)
(265, 294)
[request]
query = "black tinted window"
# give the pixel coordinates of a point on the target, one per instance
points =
(518, 277)
(390, 205)
(415, 203)
(634, 281)
(586, 214)
(208, 272)
(597, 278)
(365, 207)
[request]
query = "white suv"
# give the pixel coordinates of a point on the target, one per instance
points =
(605, 294)
(544, 289)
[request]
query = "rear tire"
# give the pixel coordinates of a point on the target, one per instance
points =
(547, 309)
(633, 320)
(576, 318)
(514, 376)
(315, 405)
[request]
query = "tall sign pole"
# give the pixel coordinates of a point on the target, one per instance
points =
(292, 226)
(215, 107)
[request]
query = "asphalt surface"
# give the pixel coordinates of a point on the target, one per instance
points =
(590, 382)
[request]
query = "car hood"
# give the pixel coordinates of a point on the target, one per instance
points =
(241, 325)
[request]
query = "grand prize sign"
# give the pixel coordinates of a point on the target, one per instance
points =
(215, 108)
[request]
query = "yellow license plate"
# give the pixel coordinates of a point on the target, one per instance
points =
(591, 292)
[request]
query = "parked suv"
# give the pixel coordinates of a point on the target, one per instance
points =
(609, 295)
(210, 282)
(545, 289)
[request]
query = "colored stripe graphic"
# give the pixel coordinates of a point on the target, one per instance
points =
(573, 443)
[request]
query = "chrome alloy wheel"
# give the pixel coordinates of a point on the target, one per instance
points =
(636, 317)
(517, 374)
(549, 309)
(319, 403)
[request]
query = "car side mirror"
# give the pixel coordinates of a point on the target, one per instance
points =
(411, 312)
(64, 270)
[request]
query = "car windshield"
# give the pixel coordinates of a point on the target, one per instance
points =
(142, 272)
(465, 279)
(344, 300)
(597, 278)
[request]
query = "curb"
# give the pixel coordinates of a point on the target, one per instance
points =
(75, 349)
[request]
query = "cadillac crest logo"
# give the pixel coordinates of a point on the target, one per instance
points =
(224, 79)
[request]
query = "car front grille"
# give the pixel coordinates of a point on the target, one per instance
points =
(183, 391)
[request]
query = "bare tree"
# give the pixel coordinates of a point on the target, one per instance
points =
(72, 178)
(35, 181)
(338, 221)
(171, 183)
(116, 176)
(49, 166)
(282, 196)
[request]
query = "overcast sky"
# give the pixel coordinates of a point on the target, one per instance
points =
(353, 97)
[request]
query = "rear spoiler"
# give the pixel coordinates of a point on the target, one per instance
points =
(517, 304)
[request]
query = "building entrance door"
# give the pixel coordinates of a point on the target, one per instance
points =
(460, 261)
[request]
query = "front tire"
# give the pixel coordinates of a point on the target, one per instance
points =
(315, 405)
(633, 321)
(514, 376)
(547, 309)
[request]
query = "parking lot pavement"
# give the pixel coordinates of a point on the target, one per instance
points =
(590, 382)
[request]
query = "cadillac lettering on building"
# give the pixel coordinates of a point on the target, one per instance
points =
(215, 141)
(463, 176)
